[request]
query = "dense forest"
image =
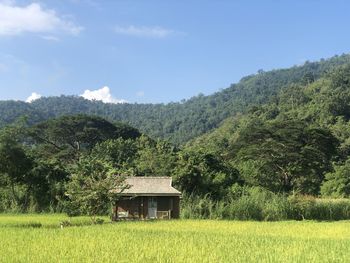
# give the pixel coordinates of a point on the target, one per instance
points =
(181, 121)
(276, 136)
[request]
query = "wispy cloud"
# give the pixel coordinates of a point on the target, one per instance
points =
(50, 38)
(33, 18)
(103, 94)
(33, 97)
(144, 31)
(92, 3)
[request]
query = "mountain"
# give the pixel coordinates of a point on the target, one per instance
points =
(299, 140)
(181, 121)
(323, 103)
(284, 131)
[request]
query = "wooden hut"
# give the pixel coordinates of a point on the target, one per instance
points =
(148, 198)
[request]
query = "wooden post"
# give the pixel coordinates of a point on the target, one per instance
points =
(142, 211)
(114, 211)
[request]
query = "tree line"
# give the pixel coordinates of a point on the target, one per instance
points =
(295, 144)
(182, 121)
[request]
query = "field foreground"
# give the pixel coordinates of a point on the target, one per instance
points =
(23, 240)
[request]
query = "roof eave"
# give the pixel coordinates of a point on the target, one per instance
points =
(150, 194)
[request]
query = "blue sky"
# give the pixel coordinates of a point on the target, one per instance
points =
(158, 51)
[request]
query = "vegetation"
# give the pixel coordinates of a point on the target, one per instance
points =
(287, 137)
(94, 185)
(42, 165)
(255, 203)
(163, 241)
(297, 144)
(185, 120)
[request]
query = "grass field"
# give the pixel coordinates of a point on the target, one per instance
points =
(23, 240)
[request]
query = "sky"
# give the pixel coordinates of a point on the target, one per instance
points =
(158, 51)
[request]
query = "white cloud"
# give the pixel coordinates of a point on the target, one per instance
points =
(33, 97)
(50, 38)
(143, 31)
(33, 18)
(103, 94)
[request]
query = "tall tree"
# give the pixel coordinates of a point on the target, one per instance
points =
(15, 164)
(337, 183)
(94, 186)
(204, 173)
(288, 155)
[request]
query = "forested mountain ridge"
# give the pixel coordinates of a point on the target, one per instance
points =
(295, 141)
(299, 140)
(181, 121)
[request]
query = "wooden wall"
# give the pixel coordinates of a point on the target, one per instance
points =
(137, 207)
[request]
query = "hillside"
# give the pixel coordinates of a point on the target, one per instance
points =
(323, 103)
(300, 139)
(290, 137)
(181, 121)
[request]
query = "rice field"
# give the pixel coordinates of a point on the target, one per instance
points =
(39, 238)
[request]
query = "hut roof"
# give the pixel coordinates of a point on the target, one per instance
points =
(150, 186)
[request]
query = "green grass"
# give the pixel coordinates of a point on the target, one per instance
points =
(171, 241)
(44, 220)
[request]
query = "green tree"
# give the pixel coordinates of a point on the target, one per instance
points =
(204, 173)
(65, 138)
(119, 152)
(94, 186)
(337, 183)
(155, 158)
(285, 155)
(15, 165)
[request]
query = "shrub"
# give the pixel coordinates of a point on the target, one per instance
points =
(99, 221)
(198, 207)
(65, 223)
(260, 204)
(331, 209)
(301, 206)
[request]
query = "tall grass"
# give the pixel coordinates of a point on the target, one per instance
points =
(43, 220)
(262, 205)
(173, 241)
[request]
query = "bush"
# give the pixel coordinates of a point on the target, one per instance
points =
(337, 183)
(301, 207)
(197, 207)
(244, 208)
(278, 208)
(65, 223)
(331, 209)
(260, 204)
(99, 221)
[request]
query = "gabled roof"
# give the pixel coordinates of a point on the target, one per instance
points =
(150, 186)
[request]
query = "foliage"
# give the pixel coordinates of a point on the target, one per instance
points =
(286, 131)
(66, 137)
(203, 172)
(155, 158)
(185, 120)
(37, 162)
(259, 204)
(337, 183)
(120, 153)
(93, 186)
(288, 155)
(15, 166)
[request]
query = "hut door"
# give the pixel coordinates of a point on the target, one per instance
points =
(152, 207)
